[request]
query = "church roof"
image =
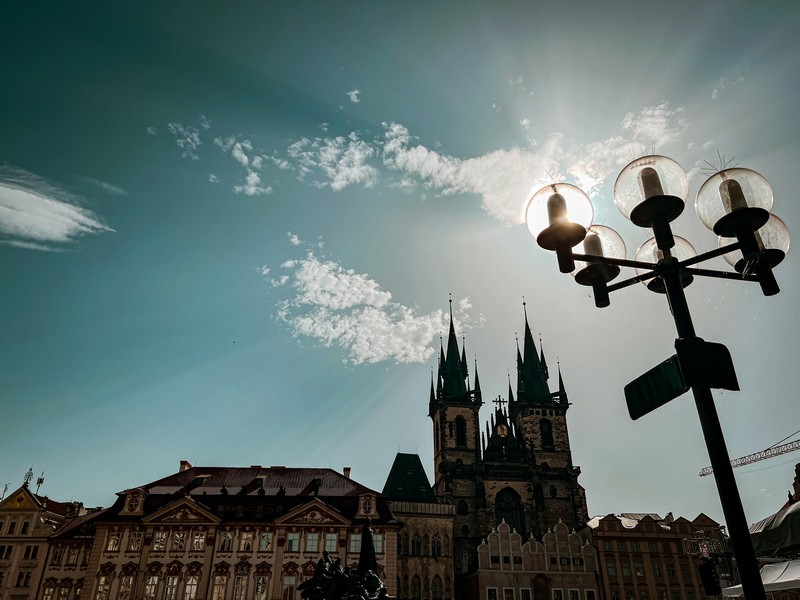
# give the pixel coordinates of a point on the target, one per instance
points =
(407, 480)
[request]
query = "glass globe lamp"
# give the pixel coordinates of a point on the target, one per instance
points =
(599, 241)
(651, 189)
(734, 200)
(772, 239)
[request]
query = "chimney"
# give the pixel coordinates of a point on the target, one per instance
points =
(346, 472)
(185, 466)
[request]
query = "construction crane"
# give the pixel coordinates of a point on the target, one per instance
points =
(764, 454)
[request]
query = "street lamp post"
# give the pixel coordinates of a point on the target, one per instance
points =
(651, 191)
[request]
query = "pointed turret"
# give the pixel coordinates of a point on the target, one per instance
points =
(532, 376)
(562, 390)
(477, 389)
(453, 369)
(542, 360)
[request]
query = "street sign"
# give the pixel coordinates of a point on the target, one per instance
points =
(655, 388)
(706, 364)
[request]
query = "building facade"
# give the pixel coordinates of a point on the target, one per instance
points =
(645, 557)
(27, 521)
(217, 533)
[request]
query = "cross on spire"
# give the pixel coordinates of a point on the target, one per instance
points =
(499, 401)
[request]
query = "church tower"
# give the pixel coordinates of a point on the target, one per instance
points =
(541, 418)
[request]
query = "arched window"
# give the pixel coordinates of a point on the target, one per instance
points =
(546, 427)
(436, 545)
(465, 561)
(508, 507)
(436, 588)
(416, 588)
(465, 530)
(425, 544)
(416, 545)
(462, 509)
(553, 491)
(461, 432)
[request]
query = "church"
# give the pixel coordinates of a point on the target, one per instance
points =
(511, 487)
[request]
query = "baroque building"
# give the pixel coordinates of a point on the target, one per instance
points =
(221, 533)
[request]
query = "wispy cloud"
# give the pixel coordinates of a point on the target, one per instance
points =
(502, 178)
(106, 187)
(354, 96)
(338, 307)
(35, 214)
(725, 84)
(187, 138)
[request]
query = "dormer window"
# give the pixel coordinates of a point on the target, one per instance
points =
(134, 502)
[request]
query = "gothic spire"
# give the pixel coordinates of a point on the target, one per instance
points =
(532, 375)
(477, 381)
(454, 370)
(562, 390)
(542, 359)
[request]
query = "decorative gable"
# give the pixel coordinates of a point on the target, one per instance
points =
(20, 500)
(184, 510)
(367, 506)
(315, 512)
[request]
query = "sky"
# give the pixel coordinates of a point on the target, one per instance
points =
(230, 235)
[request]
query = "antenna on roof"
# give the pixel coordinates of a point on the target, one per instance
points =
(39, 482)
(3, 495)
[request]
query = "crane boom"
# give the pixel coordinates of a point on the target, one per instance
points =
(751, 458)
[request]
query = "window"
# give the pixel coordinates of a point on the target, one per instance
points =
(171, 589)
(622, 546)
(558, 594)
(113, 540)
(546, 428)
(491, 594)
(49, 592)
(226, 541)
(436, 588)
(635, 547)
(57, 557)
(265, 543)
(103, 587)
(133, 503)
(524, 594)
(135, 541)
(125, 587)
(629, 595)
(72, 556)
(676, 595)
(190, 590)
(218, 591)
(614, 594)
(607, 545)
(1, 525)
(5, 552)
(508, 593)
(666, 546)
(63, 592)
(639, 568)
(312, 542)
(150, 587)
(199, 541)
(261, 587)
(685, 572)
(377, 540)
(416, 588)
(612, 569)
(25, 525)
(671, 570)
(461, 432)
(240, 587)
(246, 541)
(288, 588)
(416, 545)
(626, 568)
(436, 545)
(462, 508)
(355, 542)
(653, 547)
(24, 579)
(293, 542)
(657, 569)
(179, 541)
(643, 595)
(31, 552)
(590, 595)
(160, 541)
(12, 527)
(331, 542)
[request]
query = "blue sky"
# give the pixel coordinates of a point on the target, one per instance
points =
(230, 235)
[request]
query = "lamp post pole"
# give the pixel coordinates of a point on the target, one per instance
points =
(752, 585)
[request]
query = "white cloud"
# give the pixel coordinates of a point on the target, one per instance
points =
(205, 122)
(187, 138)
(353, 95)
(263, 270)
(253, 186)
(293, 239)
(213, 178)
(526, 123)
(341, 308)
(34, 213)
(342, 161)
(151, 130)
